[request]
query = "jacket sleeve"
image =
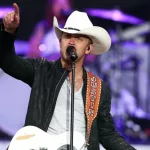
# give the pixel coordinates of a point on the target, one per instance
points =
(20, 68)
(108, 136)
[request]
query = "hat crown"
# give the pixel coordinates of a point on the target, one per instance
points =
(79, 23)
(78, 20)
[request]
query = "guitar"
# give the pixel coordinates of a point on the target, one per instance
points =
(33, 138)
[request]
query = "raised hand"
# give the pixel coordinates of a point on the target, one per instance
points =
(12, 19)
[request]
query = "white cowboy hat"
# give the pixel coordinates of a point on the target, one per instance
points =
(79, 23)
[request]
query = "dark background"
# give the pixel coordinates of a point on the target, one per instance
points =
(32, 11)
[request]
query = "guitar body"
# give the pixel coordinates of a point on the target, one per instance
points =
(33, 138)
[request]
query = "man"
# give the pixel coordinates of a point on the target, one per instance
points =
(49, 105)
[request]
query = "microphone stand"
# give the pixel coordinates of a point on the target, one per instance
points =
(72, 105)
(73, 56)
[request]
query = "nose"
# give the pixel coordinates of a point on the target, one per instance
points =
(72, 41)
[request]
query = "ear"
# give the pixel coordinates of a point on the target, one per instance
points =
(89, 49)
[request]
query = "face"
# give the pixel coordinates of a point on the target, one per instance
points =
(80, 42)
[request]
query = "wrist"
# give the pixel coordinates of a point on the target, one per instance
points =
(12, 31)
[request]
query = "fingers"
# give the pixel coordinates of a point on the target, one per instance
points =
(16, 12)
(16, 9)
(5, 21)
(9, 17)
(11, 20)
(12, 16)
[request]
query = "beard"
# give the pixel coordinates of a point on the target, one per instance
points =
(65, 58)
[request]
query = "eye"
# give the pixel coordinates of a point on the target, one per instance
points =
(79, 37)
(67, 36)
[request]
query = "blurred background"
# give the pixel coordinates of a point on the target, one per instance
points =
(125, 67)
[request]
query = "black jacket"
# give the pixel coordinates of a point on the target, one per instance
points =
(46, 78)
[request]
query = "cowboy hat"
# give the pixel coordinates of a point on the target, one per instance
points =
(79, 23)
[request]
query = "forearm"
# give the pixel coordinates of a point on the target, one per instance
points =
(6, 42)
(12, 64)
(113, 141)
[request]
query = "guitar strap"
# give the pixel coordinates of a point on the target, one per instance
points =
(93, 94)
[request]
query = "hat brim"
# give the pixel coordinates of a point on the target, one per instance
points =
(99, 36)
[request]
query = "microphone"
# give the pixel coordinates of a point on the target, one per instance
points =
(71, 53)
